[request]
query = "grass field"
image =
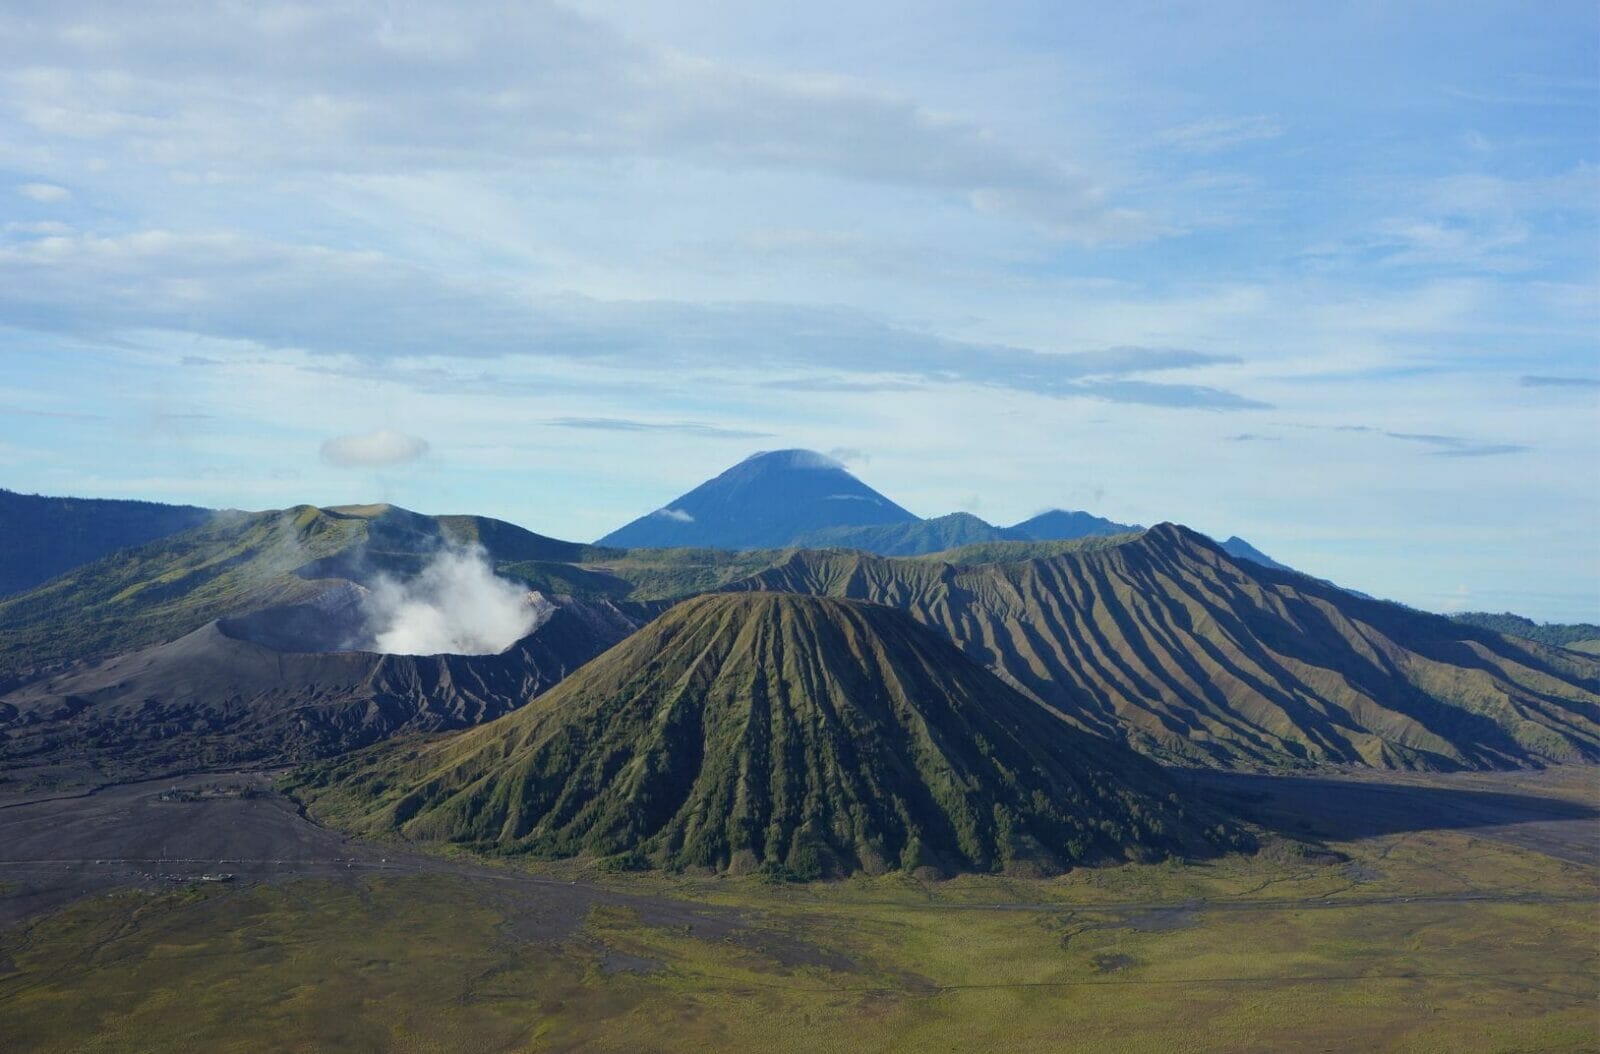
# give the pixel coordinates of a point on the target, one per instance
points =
(1427, 940)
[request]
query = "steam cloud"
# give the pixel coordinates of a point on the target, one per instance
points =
(456, 606)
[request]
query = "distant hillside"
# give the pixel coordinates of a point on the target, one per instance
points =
(1169, 644)
(803, 736)
(239, 691)
(234, 563)
(47, 536)
(1064, 524)
(1559, 635)
(909, 539)
(764, 502)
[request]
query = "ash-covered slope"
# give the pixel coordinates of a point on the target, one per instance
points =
(228, 693)
(1167, 643)
(799, 733)
(766, 501)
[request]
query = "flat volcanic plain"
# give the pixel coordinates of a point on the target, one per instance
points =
(1385, 911)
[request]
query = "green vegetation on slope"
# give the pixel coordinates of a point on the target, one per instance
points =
(1017, 551)
(1555, 634)
(237, 562)
(1165, 642)
(802, 735)
(233, 564)
(671, 574)
(908, 539)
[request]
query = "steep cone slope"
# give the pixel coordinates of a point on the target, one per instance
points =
(228, 693)
(742, 731)
(766, 501)
(1167, 643)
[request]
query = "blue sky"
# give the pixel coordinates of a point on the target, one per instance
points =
(1324, 276)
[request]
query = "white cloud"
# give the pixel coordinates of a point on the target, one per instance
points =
(368, 87)
(229, 286)
(675, 514)
(1219, 133)
(382, 448)
(45, 193)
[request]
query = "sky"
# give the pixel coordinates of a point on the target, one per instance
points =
(1325, 276)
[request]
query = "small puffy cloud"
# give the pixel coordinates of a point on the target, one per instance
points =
(675, 514)
(382, 448)
(45, 193)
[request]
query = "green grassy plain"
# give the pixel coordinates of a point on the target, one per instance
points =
(1428, 941)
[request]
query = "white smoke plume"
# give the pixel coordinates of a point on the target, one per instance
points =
(456, 606)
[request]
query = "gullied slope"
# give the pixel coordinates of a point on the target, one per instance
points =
(1168, 644)
(224, 694)
(46, 536)
(764, 502)
(799, 733)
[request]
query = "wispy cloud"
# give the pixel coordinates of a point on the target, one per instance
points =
(622, 424)
(1219, 133)
(365, 304)
(44, 193)
(840, 384)
(1539, 381)
(360, 87)
(1458, 446)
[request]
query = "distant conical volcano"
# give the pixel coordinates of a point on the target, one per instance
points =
(813, 735)
(764, 502)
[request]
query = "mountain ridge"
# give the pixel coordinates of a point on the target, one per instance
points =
(1167, 643)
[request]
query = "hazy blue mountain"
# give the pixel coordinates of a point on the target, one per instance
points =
(911, 539)
(765, 501)
(1066, 524)
(45, 536)
(1239, 548)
